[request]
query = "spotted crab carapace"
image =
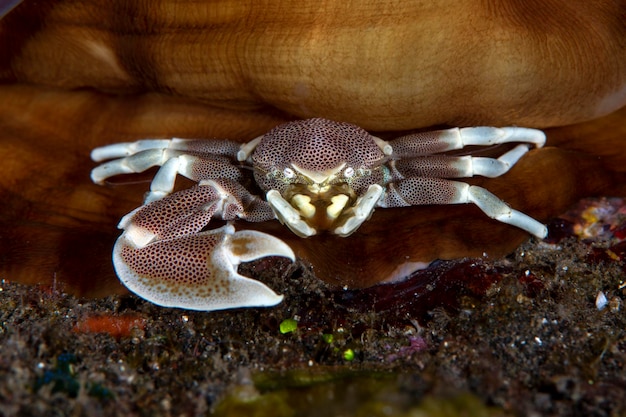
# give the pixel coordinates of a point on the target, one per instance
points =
(313, 175)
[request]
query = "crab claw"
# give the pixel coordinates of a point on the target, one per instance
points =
(198, 271)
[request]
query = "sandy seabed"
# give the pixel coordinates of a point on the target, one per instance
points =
(526, 337)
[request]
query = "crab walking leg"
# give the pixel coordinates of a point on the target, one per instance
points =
(497, 209)
(176, 162)
(288, 215)
(138, 162)
(444, 166)
(194, 159)
(424, 191)
(437, 141)
(163, 182)
(199, 146)
(199, 271)
(123, 149)
(192, 167)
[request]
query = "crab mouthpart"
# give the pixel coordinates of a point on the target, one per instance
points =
(308, 209)
(360, 212)
(290, 215)
(319, 177)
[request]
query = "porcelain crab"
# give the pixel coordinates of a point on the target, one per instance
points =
(313, 175)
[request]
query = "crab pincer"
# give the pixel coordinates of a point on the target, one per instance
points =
(199, 272)
(165, 256)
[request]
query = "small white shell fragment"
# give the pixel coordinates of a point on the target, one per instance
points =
(601, 301)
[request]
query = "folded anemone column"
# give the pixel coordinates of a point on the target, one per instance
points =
(381, 64)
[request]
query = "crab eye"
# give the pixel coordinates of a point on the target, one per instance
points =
(288, 173)
(349, 172)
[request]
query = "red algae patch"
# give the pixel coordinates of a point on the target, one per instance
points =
(116, 326)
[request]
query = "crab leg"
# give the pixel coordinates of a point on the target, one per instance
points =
(194, 168)
(184, 164)
(424, 191)
(497, 209)
(444, 166)
(194, 146)
(194, 159)
(189, 211)
(426, 143)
